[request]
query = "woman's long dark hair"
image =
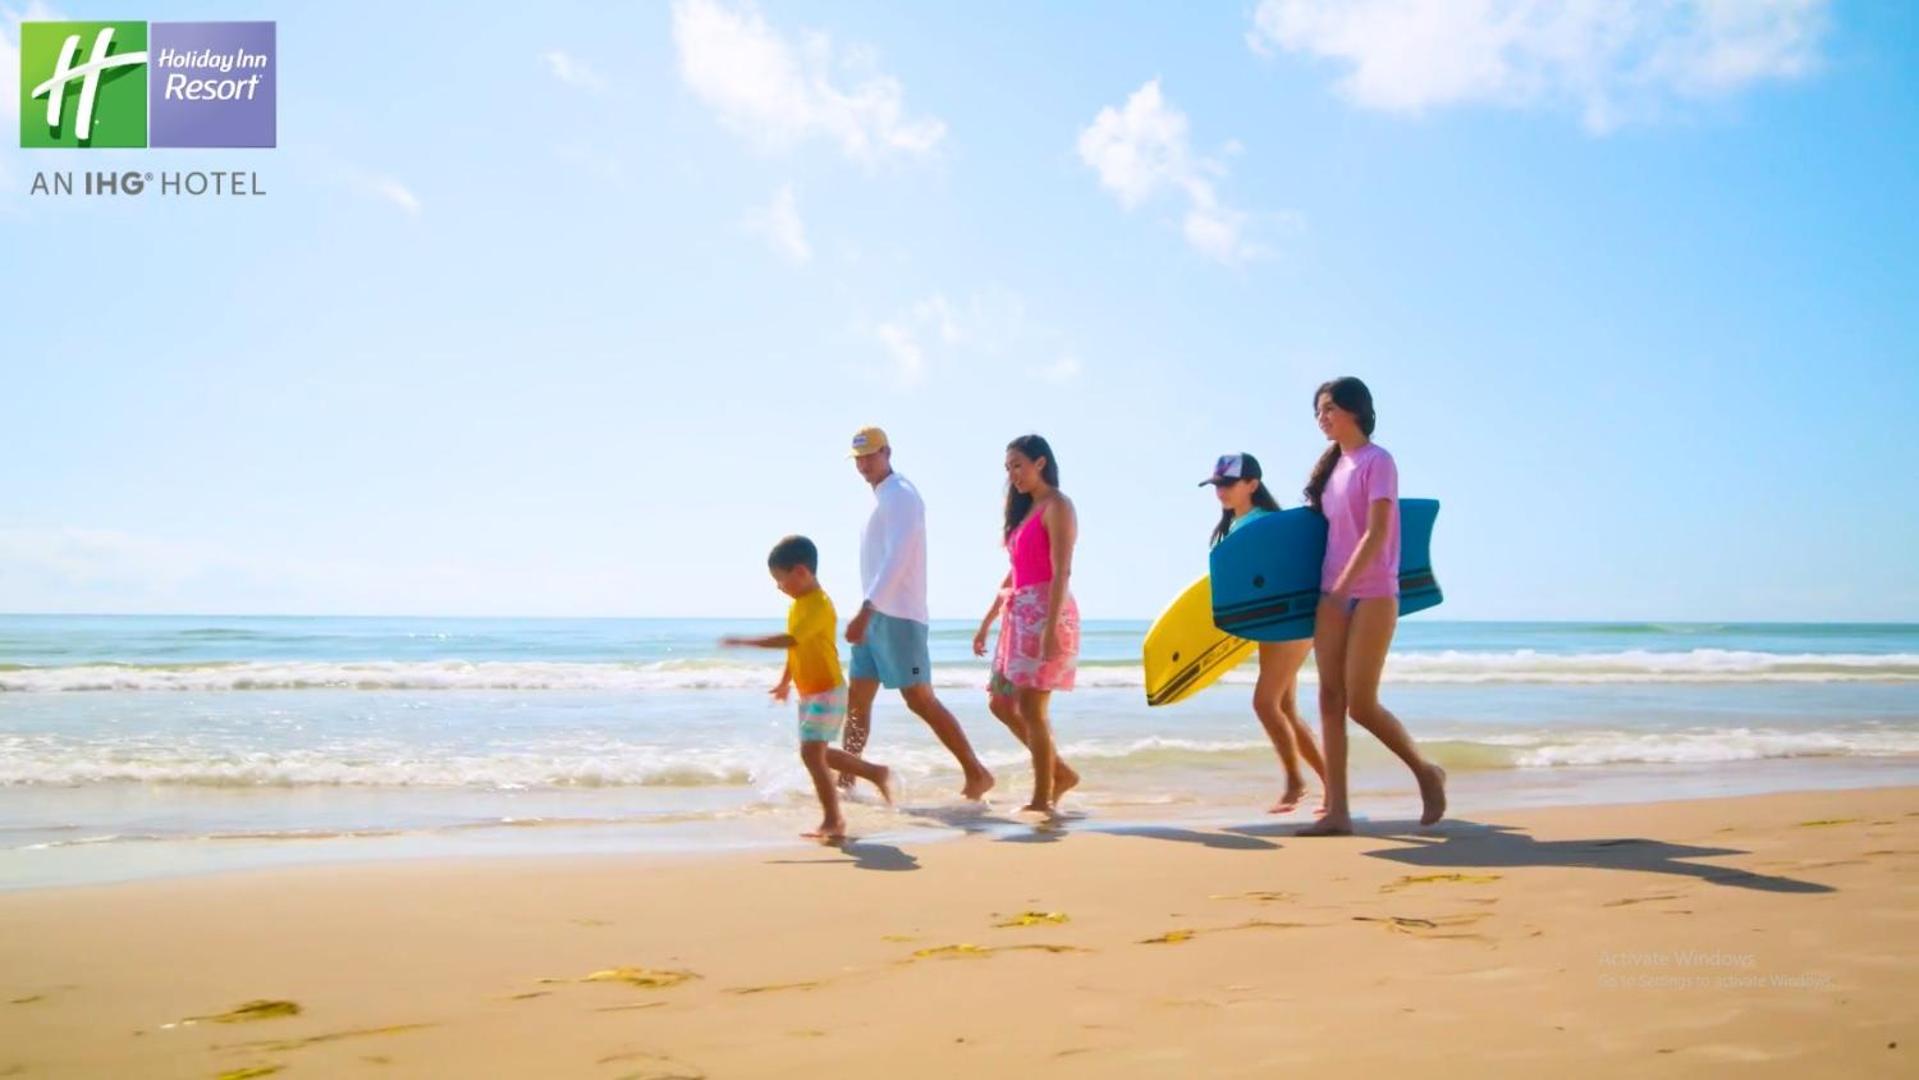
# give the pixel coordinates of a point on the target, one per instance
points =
(1262, 499)
(1018, 503)
(1351, 395)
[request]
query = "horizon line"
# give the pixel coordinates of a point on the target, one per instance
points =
(1560, 620)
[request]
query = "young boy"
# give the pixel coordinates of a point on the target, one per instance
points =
(813, 667)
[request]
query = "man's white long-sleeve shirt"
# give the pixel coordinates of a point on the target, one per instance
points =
(893, 551)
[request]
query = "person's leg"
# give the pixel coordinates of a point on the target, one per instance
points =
(926, 705)
(1039, 739)
(1329, 644)
(832, 825)
(1289, 705)
(1277, 663)
(861, 691)
(1307, 742)
(1303, 736)
(847, 765)
(1367, 643)
(1005, 706)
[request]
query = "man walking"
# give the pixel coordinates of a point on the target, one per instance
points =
(889, 635)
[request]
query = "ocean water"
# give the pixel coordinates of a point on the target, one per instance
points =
(136, 745)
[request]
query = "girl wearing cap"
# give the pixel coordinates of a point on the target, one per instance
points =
(1039, 634)
(1244, 498)
(1356, 486)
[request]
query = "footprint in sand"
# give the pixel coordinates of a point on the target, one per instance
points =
(280, 1046)
(773, 988)
(1441, 879)
(1262, 895)
(1440, 927)
(644, 977)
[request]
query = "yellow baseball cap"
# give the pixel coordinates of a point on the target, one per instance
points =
(868, 441)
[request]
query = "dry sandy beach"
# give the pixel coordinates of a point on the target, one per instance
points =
(1771, 934)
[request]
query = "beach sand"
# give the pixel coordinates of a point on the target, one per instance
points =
(1771, 934)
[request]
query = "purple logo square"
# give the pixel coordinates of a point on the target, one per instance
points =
(211, 84)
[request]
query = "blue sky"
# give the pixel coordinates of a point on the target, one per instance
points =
(580, 322)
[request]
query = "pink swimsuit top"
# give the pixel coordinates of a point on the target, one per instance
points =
(1032, 551)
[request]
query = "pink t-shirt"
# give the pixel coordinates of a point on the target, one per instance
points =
(1360, 479)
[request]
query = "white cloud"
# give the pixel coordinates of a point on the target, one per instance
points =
(344, 173)
(903, 348)
(572, 70)
(1613, 60)
(905, 337)
(991, 327)
(385, 187)
(1143, 149)
(780, 93)
(780, 224)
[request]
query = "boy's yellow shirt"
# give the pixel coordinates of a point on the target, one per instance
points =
(814, 658)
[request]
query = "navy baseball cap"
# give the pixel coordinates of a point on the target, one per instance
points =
(1231, 469)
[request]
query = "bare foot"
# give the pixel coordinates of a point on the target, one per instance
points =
(1036, 808)
(1328, 825)
(1064, 780)
(977, 785)
(1289, 800)
(889, 790)
(1432, 792)
(829, 832)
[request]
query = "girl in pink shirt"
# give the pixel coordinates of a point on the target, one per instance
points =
(1356, 486)
(1039, 633)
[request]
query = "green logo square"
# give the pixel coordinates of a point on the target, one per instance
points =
(83, 84)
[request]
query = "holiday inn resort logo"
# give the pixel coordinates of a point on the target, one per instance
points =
(138, 84)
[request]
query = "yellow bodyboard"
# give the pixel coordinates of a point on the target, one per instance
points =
(1184, 652)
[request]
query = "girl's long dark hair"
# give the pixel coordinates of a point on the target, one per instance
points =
(1018, 503)
(1262, 498)
(1351, 395)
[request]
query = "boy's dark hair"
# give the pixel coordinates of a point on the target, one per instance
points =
(794, 551)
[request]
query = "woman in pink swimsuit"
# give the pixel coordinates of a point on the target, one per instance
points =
(1356, 486)
(1039, 632)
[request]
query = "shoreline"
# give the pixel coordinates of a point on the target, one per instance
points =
(102, 862)
(1770, 930)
